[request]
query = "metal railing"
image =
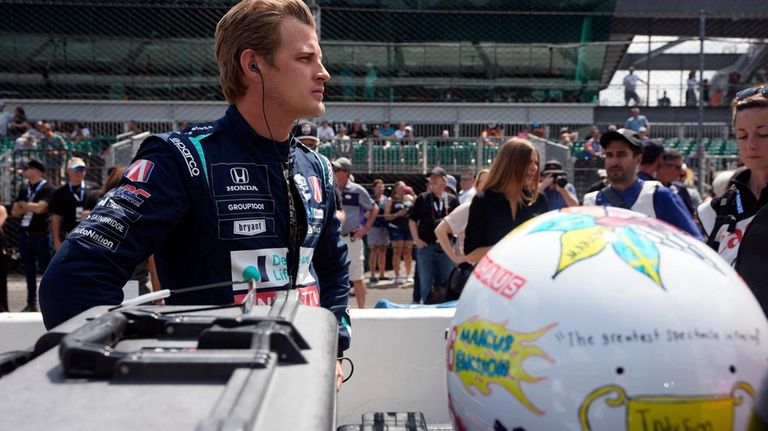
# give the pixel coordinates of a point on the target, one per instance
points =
(419, 155)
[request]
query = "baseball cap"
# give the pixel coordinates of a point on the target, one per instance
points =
(35, 164)
(642, 129)
(75, 162)
(440, 172)
(451, 182)
(305, 130)
(627, 135)
(536, 125)
(602, 173)
(343, 163)
(552, 165)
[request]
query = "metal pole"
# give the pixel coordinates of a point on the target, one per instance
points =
(648, 67)
(700, 130)
(315, 9)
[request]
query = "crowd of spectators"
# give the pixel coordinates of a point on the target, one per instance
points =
(26, 134)
(428, 238)
(453, 224)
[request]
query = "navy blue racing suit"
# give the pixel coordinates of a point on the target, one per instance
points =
(211, 204)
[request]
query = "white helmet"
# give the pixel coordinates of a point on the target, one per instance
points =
(598, 318)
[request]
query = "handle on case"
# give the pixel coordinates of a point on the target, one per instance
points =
(87, 351)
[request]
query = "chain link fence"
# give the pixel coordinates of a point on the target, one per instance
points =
(515, 51)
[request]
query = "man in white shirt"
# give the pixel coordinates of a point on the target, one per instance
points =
(400, 132)
(325, 132)
(467, 184)
(630, 85)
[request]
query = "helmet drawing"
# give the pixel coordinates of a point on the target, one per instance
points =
(600, 318)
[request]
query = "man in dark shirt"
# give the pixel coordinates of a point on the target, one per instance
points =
(32, 207)
(432, 264)
(651, 161)
(70, 203)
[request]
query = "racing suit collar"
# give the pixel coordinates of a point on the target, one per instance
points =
(234, 123)
(740, 180)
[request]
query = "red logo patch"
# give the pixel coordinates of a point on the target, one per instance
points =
(139, 171)
(317, 189)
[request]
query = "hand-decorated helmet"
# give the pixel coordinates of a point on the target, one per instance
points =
(596, 318)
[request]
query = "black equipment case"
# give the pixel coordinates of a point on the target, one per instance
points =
(179, 368)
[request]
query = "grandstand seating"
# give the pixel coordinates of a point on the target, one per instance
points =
(95, 145)
(686, 146)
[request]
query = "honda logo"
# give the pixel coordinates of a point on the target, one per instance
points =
(239, 175)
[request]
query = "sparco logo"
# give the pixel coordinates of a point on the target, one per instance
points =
(239, 175)
(191, 163)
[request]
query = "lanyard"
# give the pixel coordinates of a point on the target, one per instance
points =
(438, 206)
(31, 194)
(79, 198)
(293, 225)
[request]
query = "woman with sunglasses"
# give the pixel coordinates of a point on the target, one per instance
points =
(736, 222)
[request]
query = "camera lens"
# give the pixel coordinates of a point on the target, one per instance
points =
(561, 181)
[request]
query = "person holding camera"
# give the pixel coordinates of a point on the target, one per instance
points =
(555, 186)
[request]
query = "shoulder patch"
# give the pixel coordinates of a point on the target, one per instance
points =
(177, 140)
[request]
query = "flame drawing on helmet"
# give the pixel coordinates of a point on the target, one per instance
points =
(481, 352)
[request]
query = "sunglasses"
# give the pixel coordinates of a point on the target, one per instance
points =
(78, 169)
(749, 92)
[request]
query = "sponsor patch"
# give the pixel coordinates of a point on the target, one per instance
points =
(93, 236)
(314, 229)
(119, 210)
(317, 213)
(189, 159)
(307, 295)
(139, 171)
(271, 265)
(240, 179)
(246, 228)
(107, 221)
(317, 189)
(249, 227)
(302, 186)
(244, 207)
(131, 194)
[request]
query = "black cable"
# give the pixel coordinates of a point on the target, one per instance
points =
(351, 368)
(194, 310)
(264, 110)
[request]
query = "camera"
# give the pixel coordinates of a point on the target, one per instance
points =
(560, 179)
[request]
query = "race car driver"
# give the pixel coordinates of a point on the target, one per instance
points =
(238, 198)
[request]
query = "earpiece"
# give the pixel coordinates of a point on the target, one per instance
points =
(254, 67)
